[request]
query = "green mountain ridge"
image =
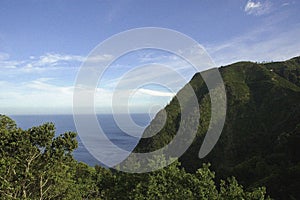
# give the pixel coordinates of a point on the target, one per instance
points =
(260, 142)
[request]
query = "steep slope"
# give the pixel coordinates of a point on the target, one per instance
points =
(260, 142)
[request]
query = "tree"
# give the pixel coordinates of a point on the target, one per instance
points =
(34, 164)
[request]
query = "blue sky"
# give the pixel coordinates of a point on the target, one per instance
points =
(44, 42)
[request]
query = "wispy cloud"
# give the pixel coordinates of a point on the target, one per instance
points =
(258, 7)
(286, 4)
(37, 84)
(156, 93)
(265, 43)
(37, 63)
(34, 97)
(54, 58)
(51, 60)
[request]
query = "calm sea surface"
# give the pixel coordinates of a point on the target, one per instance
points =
(65, 123)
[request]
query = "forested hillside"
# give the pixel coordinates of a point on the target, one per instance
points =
(260, 142)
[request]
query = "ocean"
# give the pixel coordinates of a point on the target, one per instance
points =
(65, 123)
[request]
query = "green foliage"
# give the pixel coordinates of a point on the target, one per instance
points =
(232, 190)
(172, 182)
(260, 142)
(36, 165)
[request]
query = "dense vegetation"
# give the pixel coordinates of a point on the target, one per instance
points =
(36, 165)
(260, 143)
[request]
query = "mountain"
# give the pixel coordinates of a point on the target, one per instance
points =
(260, 141)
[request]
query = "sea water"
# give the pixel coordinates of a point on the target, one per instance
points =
(65, 123)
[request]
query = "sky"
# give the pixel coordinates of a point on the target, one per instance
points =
(43, 43)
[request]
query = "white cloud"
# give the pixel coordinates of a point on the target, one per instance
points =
(10, 64)
(38, 84)
(55, 59)
(160, 74)
(41, 97)
(136, 100)
(155, 93)
(252, 5)
(34, 97)
(272, 47)
(104, 96)
(44, 63)
(100, 58)
(44, 86)
(257, 7)
(48, 61)
(285, 4)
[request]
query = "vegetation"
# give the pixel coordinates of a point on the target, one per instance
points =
(36, 165)
(260, 143)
